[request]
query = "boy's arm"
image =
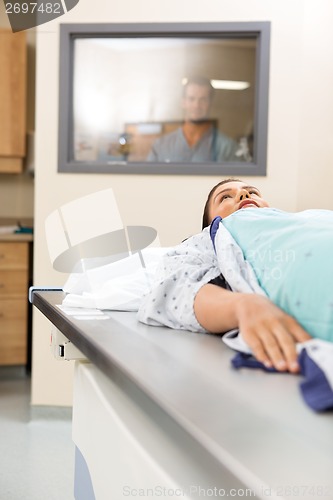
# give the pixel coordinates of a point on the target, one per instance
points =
(269, 331)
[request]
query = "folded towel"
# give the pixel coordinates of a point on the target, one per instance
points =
(315, 358)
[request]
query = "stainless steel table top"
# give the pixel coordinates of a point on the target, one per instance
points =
(254, 423)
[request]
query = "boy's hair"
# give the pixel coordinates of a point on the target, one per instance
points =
(205, 218)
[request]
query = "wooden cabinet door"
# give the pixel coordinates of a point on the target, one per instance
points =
(13, 332)
(13, 81)
(14, 282)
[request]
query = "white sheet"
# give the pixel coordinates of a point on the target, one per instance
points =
(117, 286)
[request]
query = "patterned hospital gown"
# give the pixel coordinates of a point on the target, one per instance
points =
(183, 271)
(257, 251)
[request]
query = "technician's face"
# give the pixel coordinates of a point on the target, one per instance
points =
(196, 102)
(233, 196)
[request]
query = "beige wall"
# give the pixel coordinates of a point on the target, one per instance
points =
(299, 142)
(316, 120)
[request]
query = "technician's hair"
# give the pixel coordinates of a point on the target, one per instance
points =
(206, 218)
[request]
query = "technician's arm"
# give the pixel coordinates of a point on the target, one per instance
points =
(269, 331)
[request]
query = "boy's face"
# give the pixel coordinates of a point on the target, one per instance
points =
(233, 196)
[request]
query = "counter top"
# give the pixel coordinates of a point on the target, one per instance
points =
(254, 424)
(7, 234)
(16, 237)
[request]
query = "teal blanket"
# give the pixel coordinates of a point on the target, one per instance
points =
(292, 256)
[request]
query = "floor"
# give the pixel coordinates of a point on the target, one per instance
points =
(36, 448)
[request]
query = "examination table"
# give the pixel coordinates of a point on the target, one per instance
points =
(160, 413)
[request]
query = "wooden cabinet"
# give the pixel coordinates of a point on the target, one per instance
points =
(14, 284)
(13, 82)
